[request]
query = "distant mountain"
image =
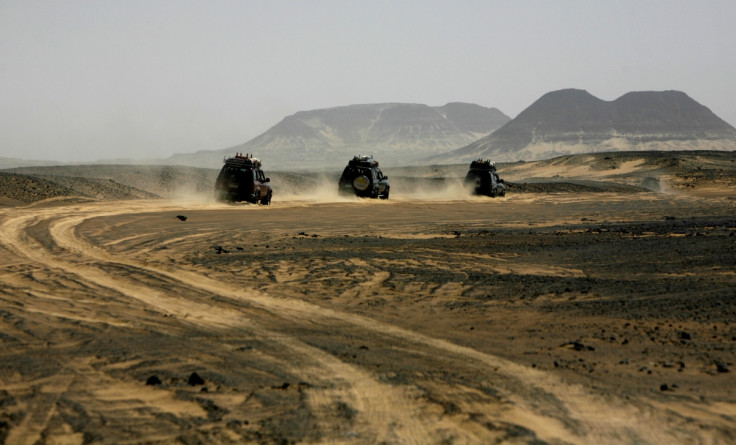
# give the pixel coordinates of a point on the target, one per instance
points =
(14, 163)
(574, 121)
(396, 134)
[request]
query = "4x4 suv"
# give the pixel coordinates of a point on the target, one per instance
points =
(484, 180)
(241, 179)
(362, 177)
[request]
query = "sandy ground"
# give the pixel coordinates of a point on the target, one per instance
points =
(537, 318)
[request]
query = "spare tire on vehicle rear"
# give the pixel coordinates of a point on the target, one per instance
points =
(362, 177)
(361, 183)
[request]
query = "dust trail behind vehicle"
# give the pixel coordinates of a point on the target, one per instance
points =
(322, 188)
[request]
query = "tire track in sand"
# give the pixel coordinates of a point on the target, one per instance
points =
(542, 403)
(385, 412)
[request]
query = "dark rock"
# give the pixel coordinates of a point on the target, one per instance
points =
(153, 380)
(195, 379)
(721, 367)
(684, 336)
(577, 345)
(181, 217)
(4, 430)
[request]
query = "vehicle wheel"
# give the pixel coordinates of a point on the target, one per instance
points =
(267, 200)
(361, 183)
(255, 198)
(385, 195)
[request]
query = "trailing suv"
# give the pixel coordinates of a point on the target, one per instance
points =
(241, 179)
(483, 179)
(362, 177)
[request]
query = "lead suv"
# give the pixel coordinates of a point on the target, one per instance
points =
(483, 179)
(362, 177)
(241, 179)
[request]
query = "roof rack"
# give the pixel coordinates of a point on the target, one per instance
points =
(246, 161)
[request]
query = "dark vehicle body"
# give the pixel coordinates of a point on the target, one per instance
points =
(483, 179)
(241, 179)
(362, 177)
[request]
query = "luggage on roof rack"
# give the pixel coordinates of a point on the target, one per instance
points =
(363, 161)
(480, 164)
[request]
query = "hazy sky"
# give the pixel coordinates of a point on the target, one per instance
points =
(89, 80)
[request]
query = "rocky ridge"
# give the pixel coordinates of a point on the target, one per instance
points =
(24, 189)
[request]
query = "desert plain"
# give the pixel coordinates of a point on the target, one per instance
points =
(594, 303)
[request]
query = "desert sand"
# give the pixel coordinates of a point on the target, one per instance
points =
(590, 314)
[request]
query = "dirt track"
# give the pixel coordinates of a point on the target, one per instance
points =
(557, 318)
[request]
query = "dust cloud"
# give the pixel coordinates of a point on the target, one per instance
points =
(189, 195)
(321, 188)
(434, 190)
(324, 190)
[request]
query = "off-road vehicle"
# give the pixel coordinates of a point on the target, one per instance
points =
(241, 179)
(482, 179)
(362, 177)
